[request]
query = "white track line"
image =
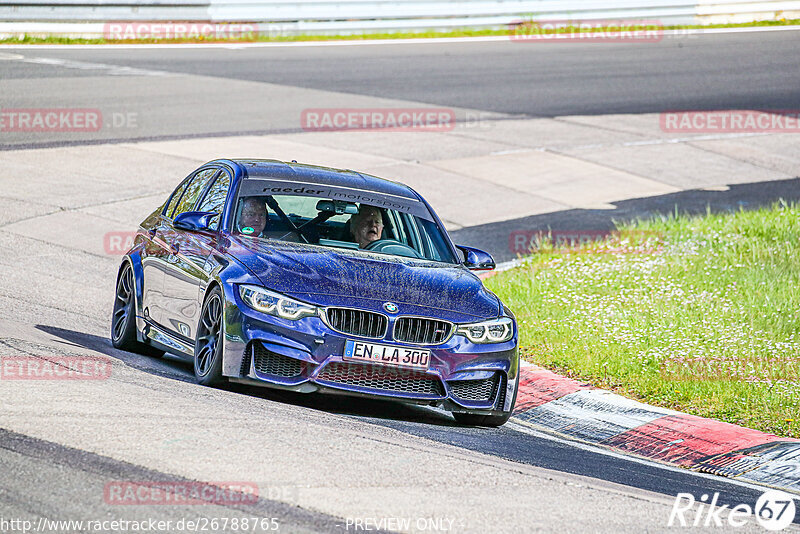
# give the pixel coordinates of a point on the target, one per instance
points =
(113, 70)
(371, 42)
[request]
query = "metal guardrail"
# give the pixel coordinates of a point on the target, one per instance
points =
(728, 11)
(102, 10)
(75, 17)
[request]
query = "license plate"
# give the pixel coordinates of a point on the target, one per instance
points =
(386, 355)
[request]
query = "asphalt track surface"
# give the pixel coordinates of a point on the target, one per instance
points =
(750, 71)
(528, 79)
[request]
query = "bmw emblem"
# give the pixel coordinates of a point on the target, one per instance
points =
(390, 307)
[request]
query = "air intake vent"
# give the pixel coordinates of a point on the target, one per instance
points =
(270, 363)
(474, 390)
(501, 398)
(357, 322)
(421, 331)
(382, 378)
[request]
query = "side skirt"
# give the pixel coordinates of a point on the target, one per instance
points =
(159, 337)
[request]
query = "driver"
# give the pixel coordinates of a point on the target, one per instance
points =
(366, 226)
(253, 219)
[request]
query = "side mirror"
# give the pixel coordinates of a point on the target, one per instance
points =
(194, 221)
(476, 259)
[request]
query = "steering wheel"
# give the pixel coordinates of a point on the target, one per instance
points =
(391, 246)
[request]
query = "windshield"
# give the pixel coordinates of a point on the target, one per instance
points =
(330, 222)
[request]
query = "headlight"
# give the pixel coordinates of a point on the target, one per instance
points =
(275, 304)
(494, 331)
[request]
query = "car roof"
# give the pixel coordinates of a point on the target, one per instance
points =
(313, 174)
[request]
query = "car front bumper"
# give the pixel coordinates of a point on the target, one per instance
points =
(306, 356)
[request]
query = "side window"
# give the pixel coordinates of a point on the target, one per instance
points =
(214, 201)
(400, 231)
(413, 237)
(192, 192)
(176, 196)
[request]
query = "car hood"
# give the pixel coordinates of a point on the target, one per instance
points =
(331, 277)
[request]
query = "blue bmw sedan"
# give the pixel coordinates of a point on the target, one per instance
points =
(312, 279)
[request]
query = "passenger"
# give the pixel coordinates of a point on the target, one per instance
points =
(367, 225)
(254, 217)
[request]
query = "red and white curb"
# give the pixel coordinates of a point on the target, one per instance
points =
(578, 411)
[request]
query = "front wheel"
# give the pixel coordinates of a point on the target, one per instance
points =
(208, 344)
(123, 320)
(472, 419)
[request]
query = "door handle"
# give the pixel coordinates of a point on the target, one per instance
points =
(174, 248)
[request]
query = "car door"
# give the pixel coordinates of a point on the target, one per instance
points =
(154, 257)
(207, 243)
(184, 266)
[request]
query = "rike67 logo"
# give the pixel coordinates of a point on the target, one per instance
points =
(774, 510)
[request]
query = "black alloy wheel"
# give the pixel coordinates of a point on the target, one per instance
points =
(208, 344)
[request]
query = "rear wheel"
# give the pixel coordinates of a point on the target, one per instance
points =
(123, 320)
(208, 344)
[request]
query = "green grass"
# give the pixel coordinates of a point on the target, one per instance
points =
(698, 314)
(462, 32)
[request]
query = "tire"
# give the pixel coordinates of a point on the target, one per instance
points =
(123, 319)
(209, 341)
(472, 419)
